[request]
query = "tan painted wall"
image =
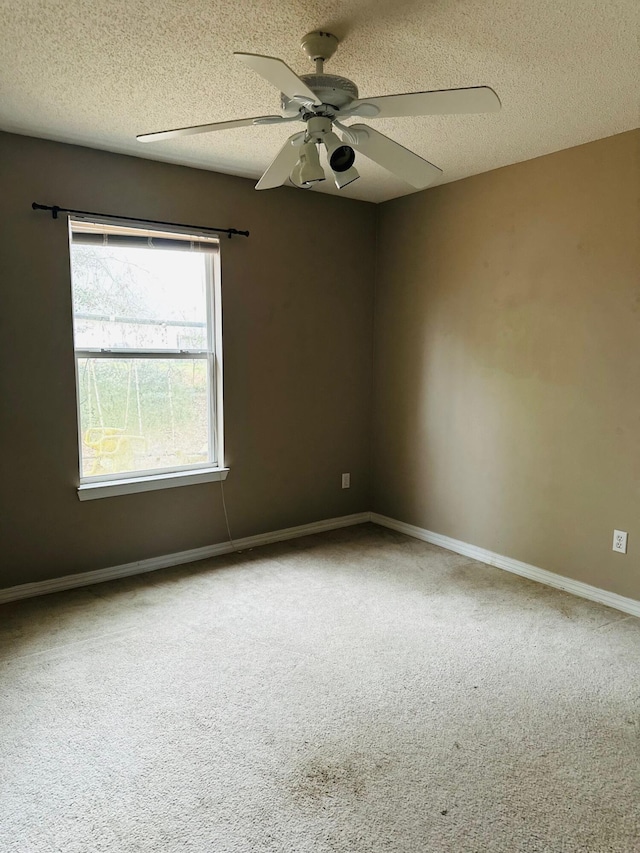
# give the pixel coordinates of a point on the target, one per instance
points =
(507, 378)
(297, 339)
(507, 361)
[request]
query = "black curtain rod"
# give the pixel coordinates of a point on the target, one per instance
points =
(55, 210)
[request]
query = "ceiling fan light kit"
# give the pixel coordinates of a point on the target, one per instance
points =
(308, 169)
(324, 101)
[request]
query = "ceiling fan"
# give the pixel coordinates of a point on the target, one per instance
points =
(324, 101)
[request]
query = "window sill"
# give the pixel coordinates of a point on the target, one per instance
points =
(112, 488)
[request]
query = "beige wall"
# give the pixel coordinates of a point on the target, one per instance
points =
(297, 336)
(507, 378)
(507, 351)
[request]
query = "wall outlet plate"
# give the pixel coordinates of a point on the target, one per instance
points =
(346, 481)
(620, 541)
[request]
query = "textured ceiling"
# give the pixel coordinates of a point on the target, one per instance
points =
(98, 73)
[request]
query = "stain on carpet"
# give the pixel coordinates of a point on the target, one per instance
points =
(321, 779)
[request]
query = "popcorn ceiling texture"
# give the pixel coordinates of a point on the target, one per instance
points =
(99, 73)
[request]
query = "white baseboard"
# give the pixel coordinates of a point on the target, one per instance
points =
(28, 590)
(583, 590)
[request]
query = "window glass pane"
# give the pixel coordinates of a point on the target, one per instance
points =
(139, 298)
(139, 414)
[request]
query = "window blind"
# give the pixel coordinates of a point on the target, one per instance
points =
(104, 234)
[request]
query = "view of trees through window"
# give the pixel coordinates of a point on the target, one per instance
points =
(141, 413)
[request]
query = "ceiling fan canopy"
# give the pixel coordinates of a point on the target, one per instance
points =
(325, 101)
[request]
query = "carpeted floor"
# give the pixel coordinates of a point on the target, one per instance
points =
(352, 692)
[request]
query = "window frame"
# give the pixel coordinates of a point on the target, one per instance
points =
(109, 485)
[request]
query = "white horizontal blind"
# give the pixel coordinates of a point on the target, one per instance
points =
(84, 232)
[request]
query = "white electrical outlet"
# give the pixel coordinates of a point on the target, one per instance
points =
(346, 481)
(620, 541)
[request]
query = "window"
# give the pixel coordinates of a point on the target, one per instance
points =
(147, 337)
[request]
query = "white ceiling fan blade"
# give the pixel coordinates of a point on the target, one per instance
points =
(278, 73)
(479, 99)
(282, 165)
(393, 156)
(207, 128)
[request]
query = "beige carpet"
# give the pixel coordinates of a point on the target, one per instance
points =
(353, 692)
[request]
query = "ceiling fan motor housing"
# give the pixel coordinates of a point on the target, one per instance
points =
(332, 90)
